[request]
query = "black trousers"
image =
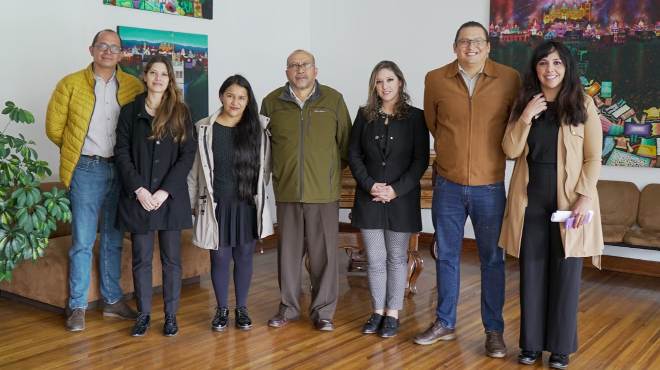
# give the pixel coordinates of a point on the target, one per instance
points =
(169, 242)
(549, 282)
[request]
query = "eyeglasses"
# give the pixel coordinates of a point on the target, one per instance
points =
(467, 42)
(300, 66)
(103, 47)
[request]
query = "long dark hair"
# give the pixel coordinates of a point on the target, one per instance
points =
(172, 114)
(247, 141)
(374, 102)
(570, 100)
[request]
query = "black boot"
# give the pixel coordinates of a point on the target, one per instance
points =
(243, 321)
(220, 319)
(390, 327)
(170, 328)
(141, 325)
(528, 357)
(373, 324)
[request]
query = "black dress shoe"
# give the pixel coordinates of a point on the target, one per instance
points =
(390, 327)
(141, 325)
(170, 328)
(220, 319)
(528, 357)
(243, 321)
(373, 324)
(324, 325)
(558, 361)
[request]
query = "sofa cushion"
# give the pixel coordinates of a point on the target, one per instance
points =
(618, 202)
(643, 238)
(614, 233)
(648, 216)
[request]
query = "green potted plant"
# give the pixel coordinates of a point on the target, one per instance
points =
(27, 215)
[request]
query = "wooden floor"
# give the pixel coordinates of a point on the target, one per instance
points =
(619, 328)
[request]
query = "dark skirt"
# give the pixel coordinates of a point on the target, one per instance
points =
(237, 222)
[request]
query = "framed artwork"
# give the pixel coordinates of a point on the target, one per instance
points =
(616, 44)
(188, 8)
(189, 54)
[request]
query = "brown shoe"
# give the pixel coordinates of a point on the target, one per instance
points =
(280, 320)
(75, 320)
(324, 325)
(119, 310)
(436, 332)
(495, 346)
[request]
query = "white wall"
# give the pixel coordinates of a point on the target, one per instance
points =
(352, 36)
(42, 43)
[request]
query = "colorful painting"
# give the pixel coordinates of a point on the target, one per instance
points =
(188, 8)
(617, 46)
(189, 53)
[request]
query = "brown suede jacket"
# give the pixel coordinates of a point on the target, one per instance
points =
(468, 130)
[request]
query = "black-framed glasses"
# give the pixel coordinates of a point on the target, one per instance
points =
(103, 47)
(467, 42)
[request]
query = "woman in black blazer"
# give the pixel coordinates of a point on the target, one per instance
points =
(388, 154)
(155, 150)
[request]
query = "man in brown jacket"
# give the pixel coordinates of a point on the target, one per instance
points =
(466, 106)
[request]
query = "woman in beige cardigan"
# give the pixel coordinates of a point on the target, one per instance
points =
(555, 137)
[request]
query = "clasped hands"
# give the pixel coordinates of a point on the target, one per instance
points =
(382, 192)
(151, 202)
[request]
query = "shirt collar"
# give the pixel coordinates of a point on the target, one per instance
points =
(298, 100)
(113, 78)
(464, 73)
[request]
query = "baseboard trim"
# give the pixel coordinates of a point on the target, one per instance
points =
(627, 265)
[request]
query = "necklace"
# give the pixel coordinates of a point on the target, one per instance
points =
(146, 102)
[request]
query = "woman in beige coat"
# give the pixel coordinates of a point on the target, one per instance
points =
(555, 137)
(227, 187)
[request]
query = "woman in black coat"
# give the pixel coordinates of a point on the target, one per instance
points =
(155, 150)
(388, 154)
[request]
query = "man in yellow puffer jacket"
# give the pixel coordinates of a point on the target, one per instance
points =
(81, 120)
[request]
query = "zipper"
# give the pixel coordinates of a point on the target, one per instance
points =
(206, 151)
(89, 123)
(469, 167)
(301, 152)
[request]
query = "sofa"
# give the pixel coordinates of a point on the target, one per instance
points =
(630, 218)
(618, 208)
(46, 279)
(646, 233)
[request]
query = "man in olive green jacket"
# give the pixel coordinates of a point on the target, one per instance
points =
(310, 126)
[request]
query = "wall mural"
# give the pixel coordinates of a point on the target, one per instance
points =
(189, 53)
(617, 46)
(189, 8)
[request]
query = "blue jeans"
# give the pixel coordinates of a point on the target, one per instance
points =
(94, 192)
(452, 203)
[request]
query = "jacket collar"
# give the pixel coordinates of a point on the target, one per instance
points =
(489, 70)
(208, 121)
(120, 75)
(287, 96)
(139, 104)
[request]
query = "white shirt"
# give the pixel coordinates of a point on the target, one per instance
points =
(301, 103)
(471, 82)
(100, 139)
